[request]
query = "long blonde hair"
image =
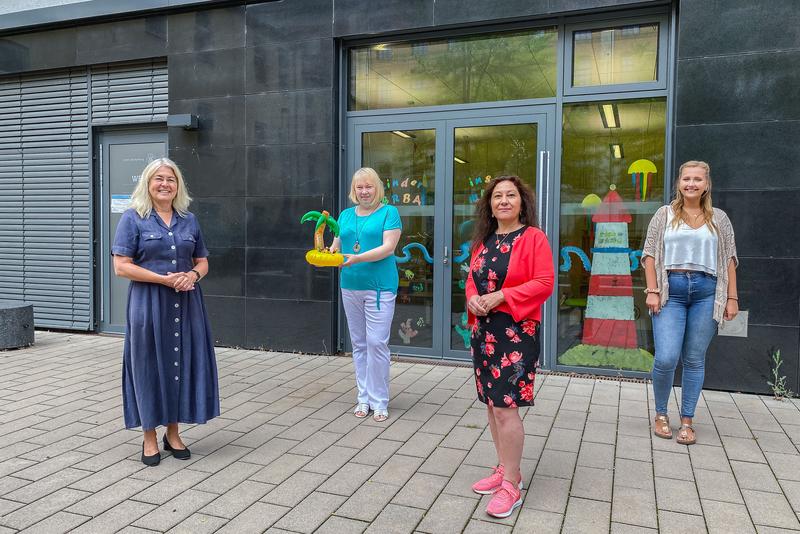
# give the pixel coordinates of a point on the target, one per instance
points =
(705, 198)
(140, 199)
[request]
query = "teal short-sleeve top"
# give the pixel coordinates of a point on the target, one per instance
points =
(368, 230)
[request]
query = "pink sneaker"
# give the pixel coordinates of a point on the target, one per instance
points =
(504, 500)
(490, 484)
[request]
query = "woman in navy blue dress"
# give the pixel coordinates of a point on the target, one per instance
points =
(169, 372)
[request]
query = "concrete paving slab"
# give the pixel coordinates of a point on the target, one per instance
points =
(287, 455)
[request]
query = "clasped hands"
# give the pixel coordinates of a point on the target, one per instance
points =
(180, 281)
(481, 305)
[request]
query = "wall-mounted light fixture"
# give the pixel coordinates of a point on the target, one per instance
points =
(609, 114)
(186, 121)
(404, 135)
(616, 151)
(459, 160)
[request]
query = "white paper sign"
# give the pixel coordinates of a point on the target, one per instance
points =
(119, 203)
(735, 328)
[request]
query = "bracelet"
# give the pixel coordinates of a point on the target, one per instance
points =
(647, 290)
(734, 298)
(197, 273)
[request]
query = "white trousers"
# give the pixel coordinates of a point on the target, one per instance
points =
(370, 328)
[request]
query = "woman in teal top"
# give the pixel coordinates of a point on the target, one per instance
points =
(368, 235)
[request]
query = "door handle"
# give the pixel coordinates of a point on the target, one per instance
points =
(446, 257)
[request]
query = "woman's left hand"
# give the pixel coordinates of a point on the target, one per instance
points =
(185, 281)
(491, 300)
(731, 310)
(350, 259)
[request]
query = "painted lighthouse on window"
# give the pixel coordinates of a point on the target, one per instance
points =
(609, 327)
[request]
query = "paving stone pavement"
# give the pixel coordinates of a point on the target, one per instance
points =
(287, 455)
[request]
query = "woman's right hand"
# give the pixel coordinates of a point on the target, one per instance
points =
(475, 307)
(171, 279)
(653, 302)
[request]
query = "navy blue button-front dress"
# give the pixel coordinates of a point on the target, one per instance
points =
(169, 372)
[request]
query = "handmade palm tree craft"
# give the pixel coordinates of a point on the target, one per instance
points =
(320, 255)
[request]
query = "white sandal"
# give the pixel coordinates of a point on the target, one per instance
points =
(380, 416)
(362, 407)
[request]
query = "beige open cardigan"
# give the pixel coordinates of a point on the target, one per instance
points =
(726, 249)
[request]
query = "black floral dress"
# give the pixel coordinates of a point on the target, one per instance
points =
(505, 352)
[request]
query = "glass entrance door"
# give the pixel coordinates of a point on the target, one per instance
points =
(435, 167)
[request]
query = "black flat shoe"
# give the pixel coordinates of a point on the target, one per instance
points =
(178, 454)
(152, 460)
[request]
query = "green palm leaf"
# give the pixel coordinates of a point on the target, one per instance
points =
(310, 216)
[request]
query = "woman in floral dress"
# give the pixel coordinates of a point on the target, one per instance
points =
(511, 276)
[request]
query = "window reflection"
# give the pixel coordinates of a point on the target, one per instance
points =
(405, 161)
(610, 56)
(606, 204)
(481, 153)
(483, 68)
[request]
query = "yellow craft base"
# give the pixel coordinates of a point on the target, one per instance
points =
(321, 258)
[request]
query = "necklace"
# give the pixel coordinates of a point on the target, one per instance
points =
(694, 217)
(498, 241)
(357, 245)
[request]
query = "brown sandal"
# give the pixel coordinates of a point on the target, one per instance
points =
(686, 435)
(661, 427)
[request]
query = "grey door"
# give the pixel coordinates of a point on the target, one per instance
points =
(435, 165)
(122, 156)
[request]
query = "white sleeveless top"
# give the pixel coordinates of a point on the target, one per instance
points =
(689, 248)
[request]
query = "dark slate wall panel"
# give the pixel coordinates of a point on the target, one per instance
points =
(290, 170)
(738, 88)
(221, 123)
(290, 66)
(122, 41)
(769, 290)
(745, 364)
(206, 74)
(719, 27)
(222, 220)
(284, 274)
(290, 117)
(226, 274)
(37, 51)
(754, 155)
(738, 70)
(356, 17)
(765, 222)
(279, 324)
(288, 21)
(227, 318)
(461, 11)
(216, 171)
(212, 29)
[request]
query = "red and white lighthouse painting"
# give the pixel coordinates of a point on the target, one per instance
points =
(609, 327)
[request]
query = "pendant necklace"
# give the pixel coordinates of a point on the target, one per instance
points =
(498, 241)
(357, 245)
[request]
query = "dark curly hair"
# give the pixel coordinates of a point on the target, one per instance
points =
(486, 224)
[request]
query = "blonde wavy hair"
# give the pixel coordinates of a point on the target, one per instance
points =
(140, 199)
(367, 174)
(705, 198)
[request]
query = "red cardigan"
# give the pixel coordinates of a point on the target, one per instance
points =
(530, 278)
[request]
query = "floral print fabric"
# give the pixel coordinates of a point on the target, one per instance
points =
(505, 353)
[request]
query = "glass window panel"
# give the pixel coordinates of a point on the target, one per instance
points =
(481, 152)
(612, 181)
(405, 160)
(611, 56)
(483, 68)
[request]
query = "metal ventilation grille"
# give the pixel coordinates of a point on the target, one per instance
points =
(123, 94)
(45, 215)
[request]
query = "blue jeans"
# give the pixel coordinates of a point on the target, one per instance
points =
(683, 329)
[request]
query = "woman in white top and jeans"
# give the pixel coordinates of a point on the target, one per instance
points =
(690, 261)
